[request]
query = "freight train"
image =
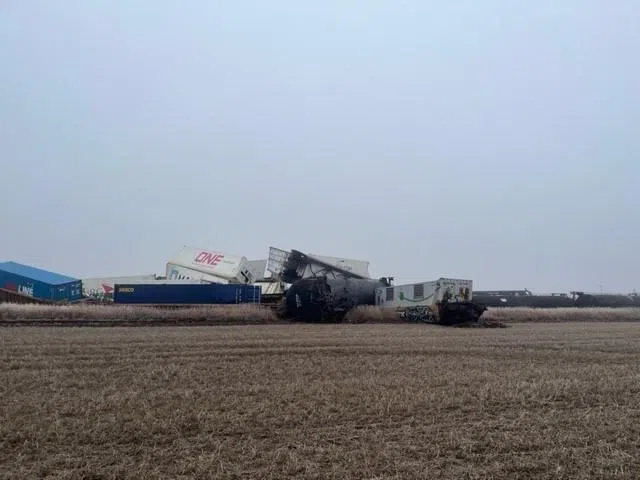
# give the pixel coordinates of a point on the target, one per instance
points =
(574, 299)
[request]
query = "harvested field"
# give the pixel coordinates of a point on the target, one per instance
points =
(554, 400)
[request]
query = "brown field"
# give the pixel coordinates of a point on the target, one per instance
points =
(545, 400)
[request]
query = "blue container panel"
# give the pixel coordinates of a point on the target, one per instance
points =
(25, 286)
(68, 292)
(40, 290)
(43, 291)
(186, 294)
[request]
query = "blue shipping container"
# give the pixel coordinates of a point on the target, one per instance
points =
(38, 283)
(185, 294)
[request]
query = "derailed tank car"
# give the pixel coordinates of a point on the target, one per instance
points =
(446, 301)
(322, 299)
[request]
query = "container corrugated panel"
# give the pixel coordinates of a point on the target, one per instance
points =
(258, 269)
(37, 283)
(185, 294)
(100, 286)
(359, 267)
(425, 293)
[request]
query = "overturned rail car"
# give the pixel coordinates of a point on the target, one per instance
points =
(322, 299)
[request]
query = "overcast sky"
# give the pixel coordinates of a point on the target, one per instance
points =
(492, 140)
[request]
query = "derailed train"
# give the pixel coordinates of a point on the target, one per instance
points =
(325, 289)
(322, 299)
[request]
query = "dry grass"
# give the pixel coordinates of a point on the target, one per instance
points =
(525, 314)
(502, 316)
(321, 401)
(370, 314)
(134, 314)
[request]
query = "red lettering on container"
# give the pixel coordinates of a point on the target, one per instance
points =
(207, 258)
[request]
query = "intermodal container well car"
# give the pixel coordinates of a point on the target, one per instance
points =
(39, 284)
(186, 294)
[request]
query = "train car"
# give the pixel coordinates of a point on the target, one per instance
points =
(322, 299)
(530, 301)
(445, 301)
(186, 294)
(605, 300)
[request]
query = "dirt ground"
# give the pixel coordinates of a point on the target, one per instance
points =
(321, 401)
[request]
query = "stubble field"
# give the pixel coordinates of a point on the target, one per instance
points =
(548, 400)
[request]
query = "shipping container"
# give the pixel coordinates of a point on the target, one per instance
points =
(425, 293)
(99, 287)
(258, 269)
(38, 283)
(102, 288)
(185, 294)
(231, 268)
(176, 272)
(270, 287)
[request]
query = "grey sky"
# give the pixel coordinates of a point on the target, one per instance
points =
(491, 140)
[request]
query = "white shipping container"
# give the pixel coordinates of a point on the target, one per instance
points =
(176, 272)
(101, 286)
(424, 293)
(231, 268)
(270, 288)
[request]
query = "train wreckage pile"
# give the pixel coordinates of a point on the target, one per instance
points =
(324, 290)
(301, 287)
(298, 286)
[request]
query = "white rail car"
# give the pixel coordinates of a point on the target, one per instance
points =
(446, 300)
